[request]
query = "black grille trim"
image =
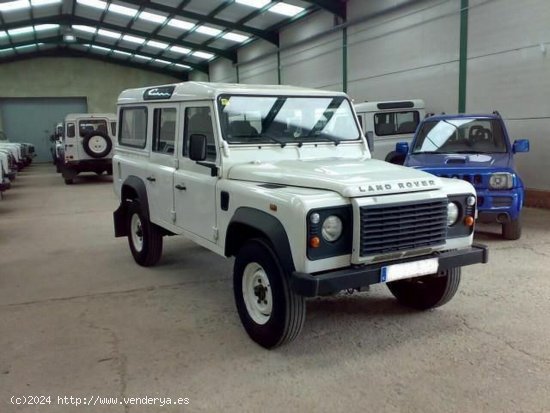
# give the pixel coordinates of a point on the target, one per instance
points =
(398, 227)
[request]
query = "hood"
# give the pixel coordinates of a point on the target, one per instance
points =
(449, 160)
(348, 177)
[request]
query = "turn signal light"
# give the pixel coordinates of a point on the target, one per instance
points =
(314, 242)
(469, 221)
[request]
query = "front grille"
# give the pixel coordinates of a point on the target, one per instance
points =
(501, 201)
(399, 227)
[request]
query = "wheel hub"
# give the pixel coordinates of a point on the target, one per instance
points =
(136, 232)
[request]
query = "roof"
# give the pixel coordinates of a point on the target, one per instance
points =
(389, 105)
(166, 36)
(205, 90)
(76, 116)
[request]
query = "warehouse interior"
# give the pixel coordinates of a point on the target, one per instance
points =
(79, 318)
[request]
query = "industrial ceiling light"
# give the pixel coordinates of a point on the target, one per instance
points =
(133, 39)
(87, 29)
(162, 62)
(43, 27)
(103, 49)
(235, 37)
(121, 52)
(286, 9)
(97, 4)
(20, 30)
(181, 24)
(68, 36)
(14, 5)
(126, 11)
(38, 3)
(158, 45)
(181, 50)
(108, 33)
(182, 66)
(26, 46)
(258, 4)
(141, 57)
(152, 17)
(3, 34)
(210, 31)
(203, 55)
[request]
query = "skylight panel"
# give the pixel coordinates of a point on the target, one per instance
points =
(257, 4)
(26, 46)
(126, 11)
(87, 29)
(104, 49)
(182, 66)
(286, 9)
(97, 4)
(181, 24)
(158, 45)
(141, 57)
(210, 31)
(133, 39)
(8, 50)
(152, 17)
(164, 62)
(15, 5)
(38, 3)
(43, 27)
(3, 34)
(235, 37)
(20, 30)
(108, 33)
(203, 55)
(121, 52)
(181, 50)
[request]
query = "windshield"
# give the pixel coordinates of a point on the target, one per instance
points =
(460, 136)
(286, 119)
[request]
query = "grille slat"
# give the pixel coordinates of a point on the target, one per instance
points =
(401, 227)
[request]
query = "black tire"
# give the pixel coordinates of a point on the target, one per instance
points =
(430, 291)
(512, 230)
(68, 181)
(99, 172)
(395, 158)
(57, 167)
(288, 310)
(90, 146)
(149, 252)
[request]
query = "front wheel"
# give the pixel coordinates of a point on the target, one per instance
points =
(144, 237)
(270, 311)
(430, 291)
(512, 230)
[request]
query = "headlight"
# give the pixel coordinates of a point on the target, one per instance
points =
(501, 181)
(332, 228)
(452, 213)
(471, 201)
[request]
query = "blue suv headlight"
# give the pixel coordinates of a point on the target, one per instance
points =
(501, 180)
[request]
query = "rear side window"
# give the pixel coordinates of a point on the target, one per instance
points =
(70, 130)
(133, 127)
(396, 123)
(164, 130)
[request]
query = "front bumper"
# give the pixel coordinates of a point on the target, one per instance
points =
(498, 206)
(310, 285)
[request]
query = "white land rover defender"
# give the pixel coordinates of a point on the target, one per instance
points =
(388, 123)
(281, 178)
(88, 142)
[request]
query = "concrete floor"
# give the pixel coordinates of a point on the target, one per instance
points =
(79, 318)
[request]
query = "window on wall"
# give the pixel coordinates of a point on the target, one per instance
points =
(164, 130)
(133, 127)
(198, 121)
(70, 130)
(396, 123)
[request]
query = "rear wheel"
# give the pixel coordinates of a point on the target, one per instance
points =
(271, 313)
(430, 291)
(512, 230)
(144, 237)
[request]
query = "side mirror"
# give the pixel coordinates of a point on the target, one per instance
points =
(402, 148)
(370, 140)
(521, 145)
(197, 147)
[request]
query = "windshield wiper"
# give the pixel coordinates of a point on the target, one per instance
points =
(273, 139)
(325, 137)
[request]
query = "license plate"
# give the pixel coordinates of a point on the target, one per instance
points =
(409, 270)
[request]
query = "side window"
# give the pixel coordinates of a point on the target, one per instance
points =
(87, 126)
(133, 127)
(396, 123)
(198, 120)
(70, 130)
(164, 130)
(113, 128)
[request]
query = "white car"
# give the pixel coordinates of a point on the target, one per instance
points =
(88, 144)
(282, 178)
(390, 122)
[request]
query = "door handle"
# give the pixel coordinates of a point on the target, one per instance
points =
(151, 178)
(181, 187)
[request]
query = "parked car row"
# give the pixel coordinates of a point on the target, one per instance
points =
(14, 156)
(84, 143)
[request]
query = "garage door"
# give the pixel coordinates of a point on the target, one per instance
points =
(33, 119)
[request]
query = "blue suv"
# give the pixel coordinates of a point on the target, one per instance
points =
(477, 149)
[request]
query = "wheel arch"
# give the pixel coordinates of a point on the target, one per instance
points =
(132, 188)
(248, 223)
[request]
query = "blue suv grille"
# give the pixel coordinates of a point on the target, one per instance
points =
(398, 227)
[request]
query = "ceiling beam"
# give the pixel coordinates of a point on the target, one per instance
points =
(270, 36)
(71, 53)
(67, 19)
(336, 7)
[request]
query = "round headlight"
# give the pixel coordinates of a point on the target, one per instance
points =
(452, 213)
(471, 200)
(332, 228)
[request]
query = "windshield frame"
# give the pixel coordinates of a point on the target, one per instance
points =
(415, 150)
(219, 107)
